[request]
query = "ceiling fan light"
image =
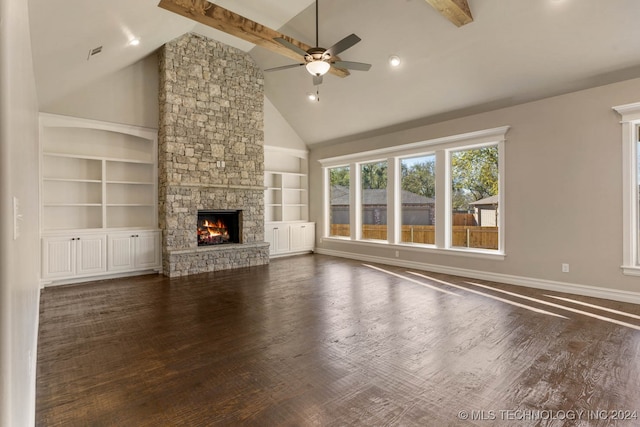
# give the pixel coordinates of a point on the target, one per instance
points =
(318, 68)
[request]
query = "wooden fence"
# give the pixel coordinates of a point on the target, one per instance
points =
(463, 236)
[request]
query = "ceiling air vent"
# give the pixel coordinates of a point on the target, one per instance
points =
(94, 51)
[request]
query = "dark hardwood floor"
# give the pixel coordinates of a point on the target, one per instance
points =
(320, 341)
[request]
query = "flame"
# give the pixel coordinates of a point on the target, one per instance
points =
(214, 229)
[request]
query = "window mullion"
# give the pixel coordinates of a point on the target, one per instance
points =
(355, 200)
(443, 200)
(393, 200)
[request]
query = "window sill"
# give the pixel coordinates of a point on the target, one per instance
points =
(631, 270)
(471, 253)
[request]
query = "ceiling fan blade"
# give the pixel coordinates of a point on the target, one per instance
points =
(349, 65)
(291, 46)
(343, 44)
(283, 67)
(317, 80)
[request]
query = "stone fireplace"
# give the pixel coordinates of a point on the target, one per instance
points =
(211, 154)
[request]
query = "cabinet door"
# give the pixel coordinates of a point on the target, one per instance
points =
(147, 249)
(58, 257)
(302, 237)
(269, 236)
(121, 251)
(309, 232)
(278, 237)
(91, 254)
(297, 237)
(281, 238)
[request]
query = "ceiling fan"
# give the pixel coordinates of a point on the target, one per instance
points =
(318, 60)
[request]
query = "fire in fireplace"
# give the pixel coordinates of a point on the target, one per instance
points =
(217, 227)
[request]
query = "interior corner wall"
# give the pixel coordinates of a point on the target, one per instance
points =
(278, 132)
(563, 190)
(19, 260)
(127, 96)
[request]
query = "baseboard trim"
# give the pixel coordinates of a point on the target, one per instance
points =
(549, 285)
(116, 275)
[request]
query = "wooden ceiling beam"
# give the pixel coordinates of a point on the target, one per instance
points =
(229, 22)
(456, 11)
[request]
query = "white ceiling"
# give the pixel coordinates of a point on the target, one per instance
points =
(513, 52)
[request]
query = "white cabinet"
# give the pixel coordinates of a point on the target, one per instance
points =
(129, 251)
(83, 255)
(277, 235)
(303, 237)
(290, 238)
(98, 183)
(74, 256)
(286, 202)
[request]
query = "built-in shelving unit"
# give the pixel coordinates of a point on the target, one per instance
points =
(95, 177)
(286, 202)
(286, 196)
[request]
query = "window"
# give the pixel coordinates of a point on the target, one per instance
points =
(373, 180)
(436, 195)
(474, 198)
(339, 201)
(418, 199)
(631, 179)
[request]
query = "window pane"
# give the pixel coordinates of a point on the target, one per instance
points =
(418, 199)
(374, 200)
(339, 197)
(474, 198)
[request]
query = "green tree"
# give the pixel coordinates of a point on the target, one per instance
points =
(474, 175)
(339, 176)
(420, 178)
(374, 175)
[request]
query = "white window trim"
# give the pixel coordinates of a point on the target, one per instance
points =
(442, 147)
(630, 122)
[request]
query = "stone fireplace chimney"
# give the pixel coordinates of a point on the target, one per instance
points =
(210, 154)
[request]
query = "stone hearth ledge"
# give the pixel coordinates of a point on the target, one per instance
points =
(222, 247)
(205, 259)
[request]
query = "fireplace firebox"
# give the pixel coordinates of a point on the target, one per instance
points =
(217, 227)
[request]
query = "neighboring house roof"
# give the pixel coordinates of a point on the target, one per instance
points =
(491, 200)
(340, 196)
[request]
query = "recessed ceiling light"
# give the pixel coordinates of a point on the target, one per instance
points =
(311, 96)
(394, 60)
(134, 42)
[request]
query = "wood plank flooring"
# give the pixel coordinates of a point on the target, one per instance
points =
(320, 341)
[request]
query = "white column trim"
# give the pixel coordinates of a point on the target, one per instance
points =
(630, 121)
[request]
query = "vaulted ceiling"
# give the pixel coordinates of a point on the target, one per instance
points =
(511, 52)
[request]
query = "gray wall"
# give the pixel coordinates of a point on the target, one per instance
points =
(561, 153)
(19, 254)
(128, 96)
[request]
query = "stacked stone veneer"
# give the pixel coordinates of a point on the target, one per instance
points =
(211, 111)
